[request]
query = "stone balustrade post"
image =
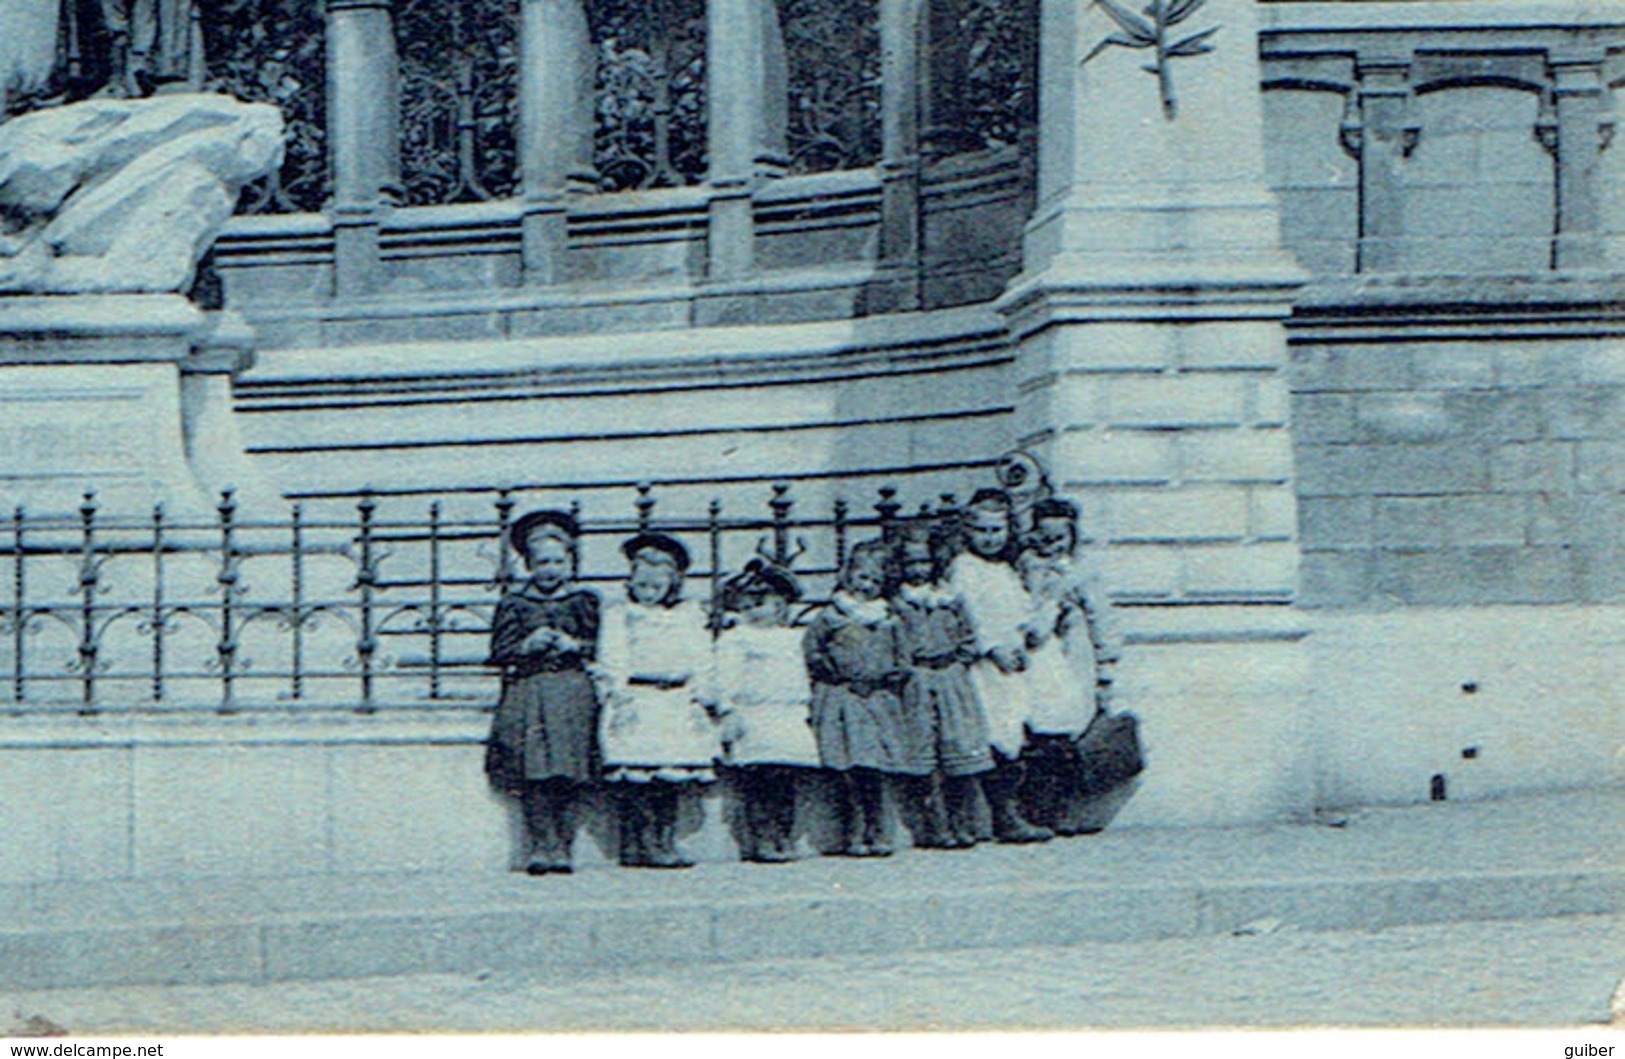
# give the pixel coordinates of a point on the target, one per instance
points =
(1381, 141)
(363, 113)
(747, 109)
(1583, 131)
(557, 68)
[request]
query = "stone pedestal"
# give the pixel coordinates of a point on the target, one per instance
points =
(1151, 374)
(128, 396)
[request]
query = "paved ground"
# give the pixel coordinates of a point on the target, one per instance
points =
(1550, 972)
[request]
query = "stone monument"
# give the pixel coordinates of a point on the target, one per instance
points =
(111, 378)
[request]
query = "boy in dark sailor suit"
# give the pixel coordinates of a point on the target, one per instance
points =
(544, 736)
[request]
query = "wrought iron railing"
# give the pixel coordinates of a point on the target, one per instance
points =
(352, 611)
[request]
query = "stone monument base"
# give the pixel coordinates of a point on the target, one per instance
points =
(127, 396)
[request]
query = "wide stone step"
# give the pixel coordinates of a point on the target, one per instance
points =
(1512, 859)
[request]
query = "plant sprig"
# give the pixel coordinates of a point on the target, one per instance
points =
(1149, 29)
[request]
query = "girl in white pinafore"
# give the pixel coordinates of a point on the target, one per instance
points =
(764, 700)
(1072, 668)
(1000, 612)
(656, 665)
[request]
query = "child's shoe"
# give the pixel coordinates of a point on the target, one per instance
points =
(1014, 830)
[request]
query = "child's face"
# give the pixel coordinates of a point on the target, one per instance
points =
(549, 560)
(764, 609)
(1053, 537)
(918, 565)
(988, 531)
(866, 578)
(651, 582)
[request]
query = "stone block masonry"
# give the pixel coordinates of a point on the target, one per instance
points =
(1482, 467)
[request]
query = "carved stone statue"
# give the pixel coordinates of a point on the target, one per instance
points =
(61, 50)
(111, 195)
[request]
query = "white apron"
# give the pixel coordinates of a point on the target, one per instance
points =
(997, 605)
(646, 724)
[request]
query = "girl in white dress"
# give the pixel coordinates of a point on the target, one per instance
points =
(1001, 615)
(1080, 647)
(656, 667)
(764, 701)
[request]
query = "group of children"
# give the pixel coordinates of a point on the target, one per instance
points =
(959, 660)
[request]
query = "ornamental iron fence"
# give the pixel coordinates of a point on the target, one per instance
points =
(361, 612)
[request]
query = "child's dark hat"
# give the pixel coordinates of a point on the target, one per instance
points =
(660, 542)
(1055, 507)
(987, 496)
(519, 533)
(760, 576)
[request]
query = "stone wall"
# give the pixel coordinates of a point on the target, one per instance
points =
(1478, 464)
(837, 410)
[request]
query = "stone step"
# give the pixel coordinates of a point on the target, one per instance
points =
(1510, 859)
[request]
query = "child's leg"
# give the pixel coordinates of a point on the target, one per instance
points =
(753, 797)
(852, 812)
(927, 802)
(959, 797)
(870, 788)
(549, 820)
(632, 812)
(1001, 785)
(1042, 788)
(663, 806)
(784, 811)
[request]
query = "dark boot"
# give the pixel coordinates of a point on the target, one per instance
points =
(1043, 765)
(550, 822)
(784, 814)
(849, 815)
(927, 803)
(959, 803)
(759, 824)
(773, 814)
(871, 799)
(634, 826)
(1009, 825)
(662, 817)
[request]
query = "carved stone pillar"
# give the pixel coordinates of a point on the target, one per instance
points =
(556, 128)
(747, 110)
(1151, 373)
(1583, 130)
(897, 285)
(1381, 140)
(363, 115)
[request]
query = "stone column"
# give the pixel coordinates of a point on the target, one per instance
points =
(747, 110)
(897, 286)
(1381, 142)
(363, 126)
(1584, 130)
(556, 128)
(1151, 376)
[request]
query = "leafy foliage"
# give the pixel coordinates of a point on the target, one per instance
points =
(1001, 69)
(459, 98)
(650, 92)
(272, 51)
(833, 53)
